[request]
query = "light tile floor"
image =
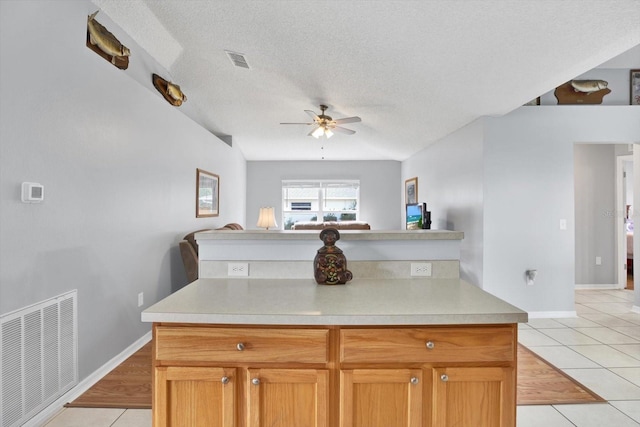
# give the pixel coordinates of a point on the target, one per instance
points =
(600, 349)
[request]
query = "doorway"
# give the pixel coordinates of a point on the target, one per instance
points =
(625, 223)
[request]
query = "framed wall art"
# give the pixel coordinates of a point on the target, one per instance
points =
(635, 87)
(411, 191)
(207, 194)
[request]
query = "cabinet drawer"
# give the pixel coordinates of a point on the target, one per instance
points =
(433, 344)
(231, 345)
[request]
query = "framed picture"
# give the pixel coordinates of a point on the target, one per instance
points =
(207, 194)
(635, 87)
(411, 191)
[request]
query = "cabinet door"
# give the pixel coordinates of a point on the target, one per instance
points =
(287, 397)
(479, 397)
(193, 397)
(381, 398)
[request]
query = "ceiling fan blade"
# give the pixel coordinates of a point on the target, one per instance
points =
(296, 123)
(313, 115)
(348, 120)
(343, 130)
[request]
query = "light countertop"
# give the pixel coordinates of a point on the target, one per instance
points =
(359, 302)
(345, 235)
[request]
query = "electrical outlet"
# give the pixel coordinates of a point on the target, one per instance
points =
(598, 260)
(140, 299)
(238, 269)
(421, 269)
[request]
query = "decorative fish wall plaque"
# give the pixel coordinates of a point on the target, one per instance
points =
(170, 91)
(582, 92)
(105, 44)
(588, 86)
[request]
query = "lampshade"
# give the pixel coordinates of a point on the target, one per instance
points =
(267, 218)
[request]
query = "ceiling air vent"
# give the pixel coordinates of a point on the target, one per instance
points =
(237, 59)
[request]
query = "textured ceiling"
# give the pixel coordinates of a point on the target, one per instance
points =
(414, 71)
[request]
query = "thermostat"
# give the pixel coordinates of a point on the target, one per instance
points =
(32, 192)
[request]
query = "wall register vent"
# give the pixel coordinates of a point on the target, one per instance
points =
(38, 357)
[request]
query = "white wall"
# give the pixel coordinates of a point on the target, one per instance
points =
(529, 188)
(119, 168)
(595, 208)
(379, 195)
(450, 181)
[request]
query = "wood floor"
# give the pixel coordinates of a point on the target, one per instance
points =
(129, 384)
(540, 383)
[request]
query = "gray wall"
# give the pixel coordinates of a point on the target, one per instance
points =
(450, 182)
(379, 195)
(595, 173)
(529, 188)
(119, 168)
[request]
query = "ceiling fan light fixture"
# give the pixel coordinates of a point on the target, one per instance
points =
(328, 133)
(318, 132)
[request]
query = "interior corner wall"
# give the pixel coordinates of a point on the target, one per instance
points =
(595, 209)
(450, 181)
(529, 189)
(379, 195)
(118, 165)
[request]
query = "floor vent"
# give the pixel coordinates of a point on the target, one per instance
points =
(38, 357)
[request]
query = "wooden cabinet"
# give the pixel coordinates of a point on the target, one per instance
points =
(381, 397)
(479, 397)
(277, 376)
(287, 397)
(194, 396)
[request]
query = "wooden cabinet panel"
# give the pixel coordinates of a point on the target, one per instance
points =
(479, 397)
(427, 345)
(199, 344)
(287, 397)
(194, 397)
(381, 398)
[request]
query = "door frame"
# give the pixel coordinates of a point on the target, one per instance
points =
(620, 212)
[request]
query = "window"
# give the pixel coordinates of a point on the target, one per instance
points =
(319, 200)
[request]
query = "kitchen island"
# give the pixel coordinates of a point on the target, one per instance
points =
(374, 352)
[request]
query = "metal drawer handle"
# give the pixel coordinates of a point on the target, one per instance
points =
(430, 345)
(444, 378)
(224, 380)
(255, 381)
(414, 380)
(240, 346)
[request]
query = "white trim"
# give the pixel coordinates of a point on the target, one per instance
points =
(599, 286)
(551, 314)
(636, 308)
(54, 408)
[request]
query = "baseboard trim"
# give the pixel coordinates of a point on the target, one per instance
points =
(552, 314)
(54, 408)
(600, 286)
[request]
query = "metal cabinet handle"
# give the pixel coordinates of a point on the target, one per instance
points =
(430, 345)
(255, 381)
(240, 346)
(414, 380)
(444, 378)
(224, 380)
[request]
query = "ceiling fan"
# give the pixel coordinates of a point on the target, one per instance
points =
(326, 125)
